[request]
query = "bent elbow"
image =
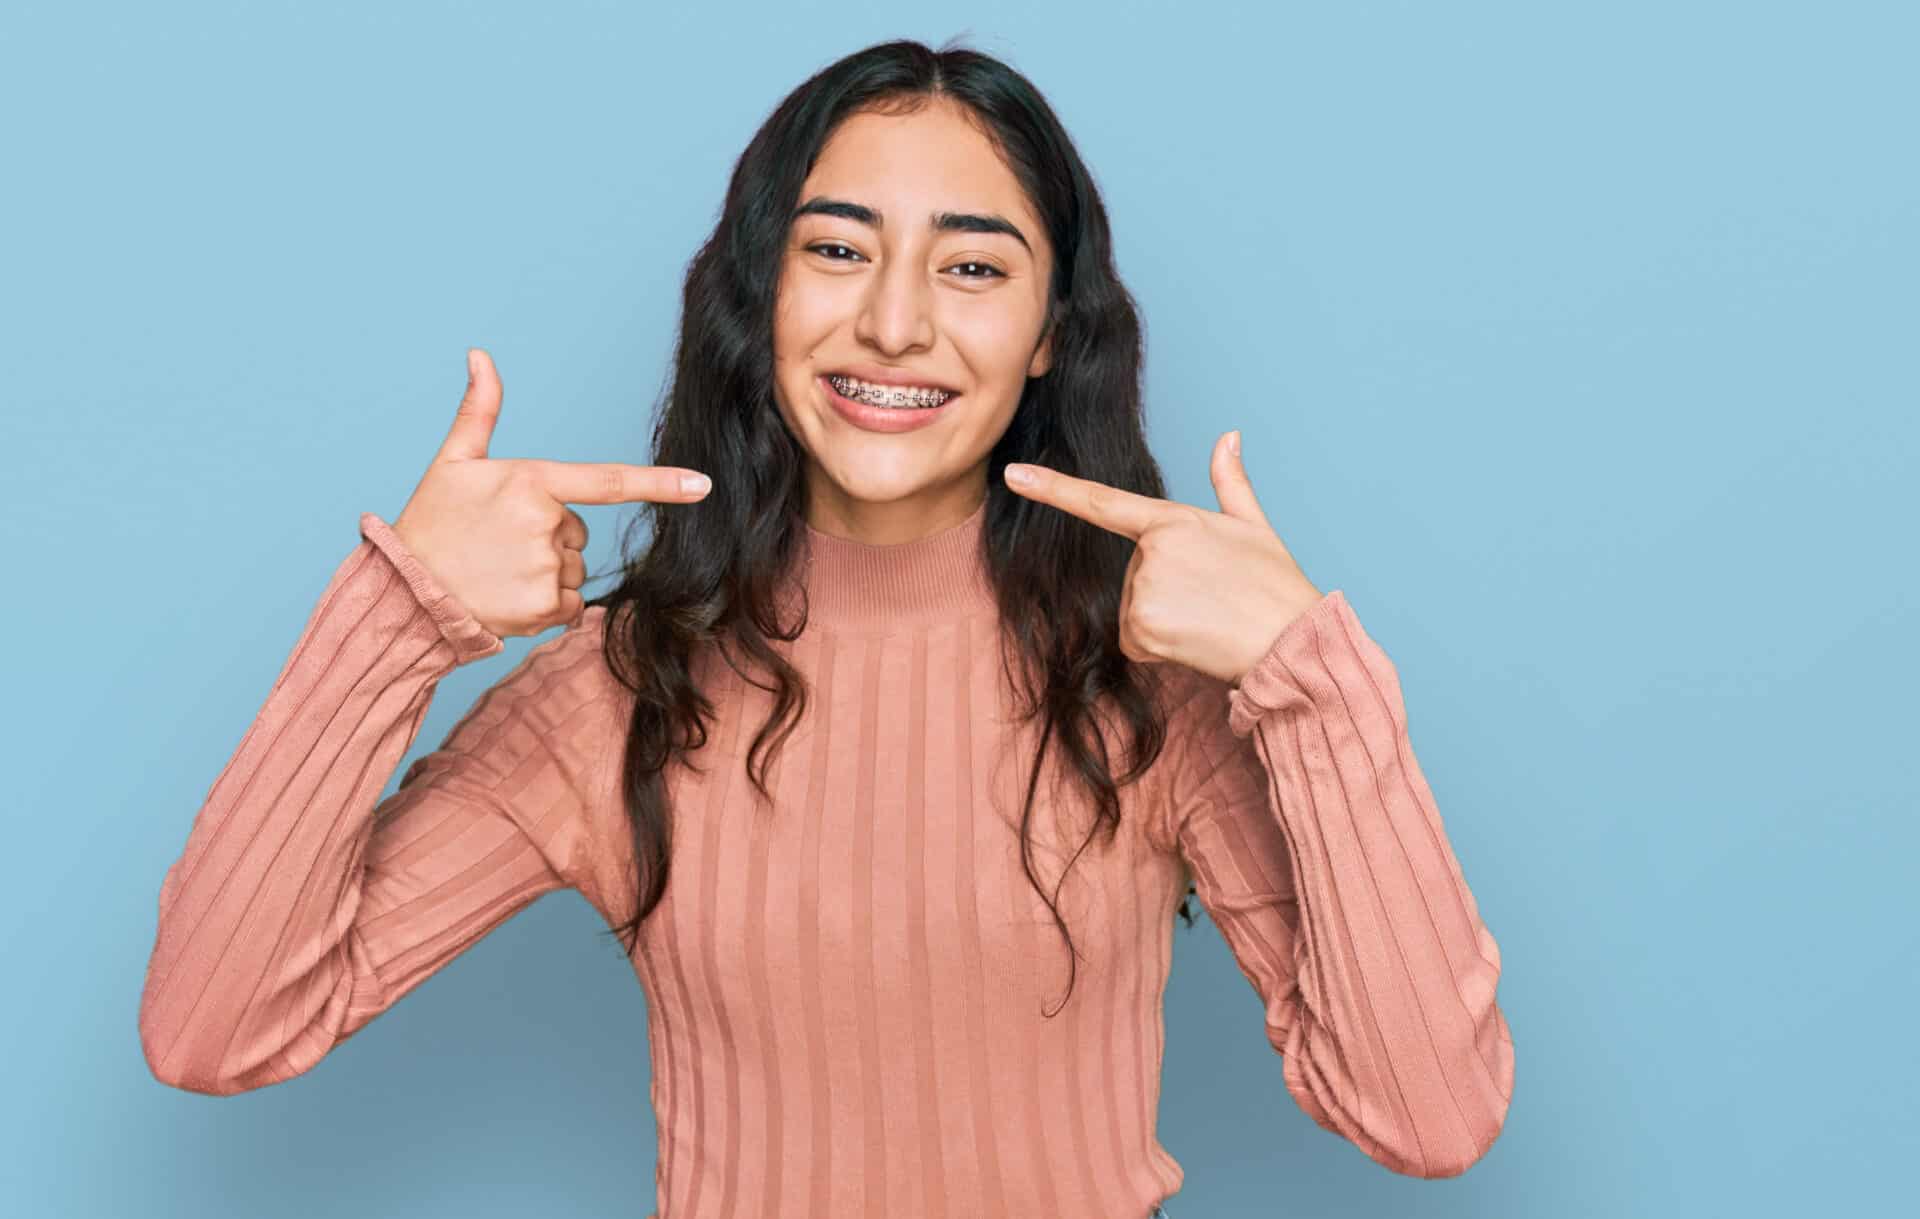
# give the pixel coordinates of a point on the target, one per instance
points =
(184, 1077)
(213, 1083)
(1488, 1119)
(1454, 1159)
(201, 1085)
(179, 1071)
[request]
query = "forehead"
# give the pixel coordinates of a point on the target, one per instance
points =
(913, 164)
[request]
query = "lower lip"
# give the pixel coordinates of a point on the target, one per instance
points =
(880, 418)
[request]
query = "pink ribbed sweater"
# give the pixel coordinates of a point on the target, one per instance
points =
(845, 992)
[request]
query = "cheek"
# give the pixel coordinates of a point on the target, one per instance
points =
(806, 311)
(783, 318)
(996, 344)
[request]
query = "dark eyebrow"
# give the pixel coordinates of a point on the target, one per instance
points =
(946, 222)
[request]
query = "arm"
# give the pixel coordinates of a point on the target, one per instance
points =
(300, 909)
(1316, 847)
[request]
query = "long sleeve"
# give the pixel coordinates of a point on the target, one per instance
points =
(1315, 845)
(300, 909)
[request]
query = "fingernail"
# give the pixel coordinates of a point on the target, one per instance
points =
(694, 484)
(1020, 476)
(1235, 442)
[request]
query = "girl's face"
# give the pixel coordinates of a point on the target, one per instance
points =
(913, 258)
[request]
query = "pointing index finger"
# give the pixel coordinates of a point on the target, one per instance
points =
(613, 482)
(1111, 508)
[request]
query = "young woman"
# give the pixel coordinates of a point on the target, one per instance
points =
(876, 757)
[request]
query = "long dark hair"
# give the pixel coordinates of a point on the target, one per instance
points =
(710, 575)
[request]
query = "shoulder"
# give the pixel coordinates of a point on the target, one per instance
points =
(1197, 707)
(559, 677)
(559, 699)
(548, 739)
(1199, 743)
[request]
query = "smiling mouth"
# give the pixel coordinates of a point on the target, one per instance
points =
(889, 397)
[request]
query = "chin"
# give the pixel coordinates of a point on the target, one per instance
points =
(882, 490)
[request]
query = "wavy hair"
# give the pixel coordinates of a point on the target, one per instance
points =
(710, 575)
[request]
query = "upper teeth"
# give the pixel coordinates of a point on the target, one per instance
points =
(888, 395)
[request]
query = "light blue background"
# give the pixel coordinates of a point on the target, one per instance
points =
(1576, 344)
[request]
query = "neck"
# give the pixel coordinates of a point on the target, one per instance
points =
(855, 585)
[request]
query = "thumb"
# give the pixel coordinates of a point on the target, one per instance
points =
(1230, 482)
(479, 409)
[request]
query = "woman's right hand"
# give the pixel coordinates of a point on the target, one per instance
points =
(496, 532)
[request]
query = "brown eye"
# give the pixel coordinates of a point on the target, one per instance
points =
(989, 268)
(821, 247)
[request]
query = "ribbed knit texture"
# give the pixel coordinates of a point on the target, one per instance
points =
(845, 990)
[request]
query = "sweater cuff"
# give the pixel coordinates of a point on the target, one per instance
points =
(462, 631)
(1270, 684)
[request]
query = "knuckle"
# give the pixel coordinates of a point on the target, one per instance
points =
(1148, 620)
(529, 514)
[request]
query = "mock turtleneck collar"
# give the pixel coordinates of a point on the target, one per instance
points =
(861, 586)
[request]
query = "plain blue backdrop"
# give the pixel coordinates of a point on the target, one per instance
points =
(1577, 344)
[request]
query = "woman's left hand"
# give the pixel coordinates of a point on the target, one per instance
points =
(1209, 590)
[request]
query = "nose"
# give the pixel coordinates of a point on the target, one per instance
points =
(896, 315)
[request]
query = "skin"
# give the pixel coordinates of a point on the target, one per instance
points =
(905, 296)
(1209, 590)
